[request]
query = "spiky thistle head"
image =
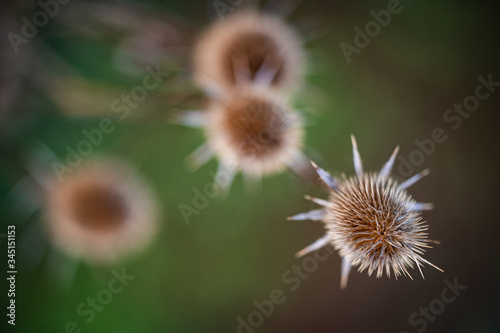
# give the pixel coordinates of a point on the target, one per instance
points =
(249, 48)
(254, 131)
(372, 221)
(101, 212)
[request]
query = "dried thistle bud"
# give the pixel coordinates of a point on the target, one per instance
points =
(372, 221)
(249, 48)
(100, 212)
(254, 131)
(250, 130)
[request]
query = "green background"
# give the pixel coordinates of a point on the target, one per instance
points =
(202, 276)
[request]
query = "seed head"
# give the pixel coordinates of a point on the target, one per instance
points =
(372, 221)
(254, 131)
(249, 48)
(100, 212)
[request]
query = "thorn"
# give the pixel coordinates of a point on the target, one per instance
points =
(410, 181)
(386, 169)
(313, 215)
(358, 166)
(325, 177)
(314, 246)
(318, 201)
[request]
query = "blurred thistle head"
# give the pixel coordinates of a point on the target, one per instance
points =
(101, 212)
(254, 131)
(372, 221)
(249, 48)
(249, 130)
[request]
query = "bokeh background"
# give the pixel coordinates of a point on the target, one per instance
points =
(201, 276)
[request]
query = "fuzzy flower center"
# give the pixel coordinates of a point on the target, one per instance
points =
(371, 218)
(255, 126)
(98, 207)
(251, 51)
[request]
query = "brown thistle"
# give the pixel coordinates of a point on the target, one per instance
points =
(251, 130)
(248, 48)
(100, 212)
(372, 221)
(254, 131)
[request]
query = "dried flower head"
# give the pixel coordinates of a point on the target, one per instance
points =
(372, 221)
(249, 48)
(249, 130)
(255, 132)
(100, 212)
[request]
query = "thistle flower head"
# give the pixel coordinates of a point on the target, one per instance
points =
(254, 131)
(100, 212)
(249, 48)
(372, 221)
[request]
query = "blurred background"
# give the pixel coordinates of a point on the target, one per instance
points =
(205, 276)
